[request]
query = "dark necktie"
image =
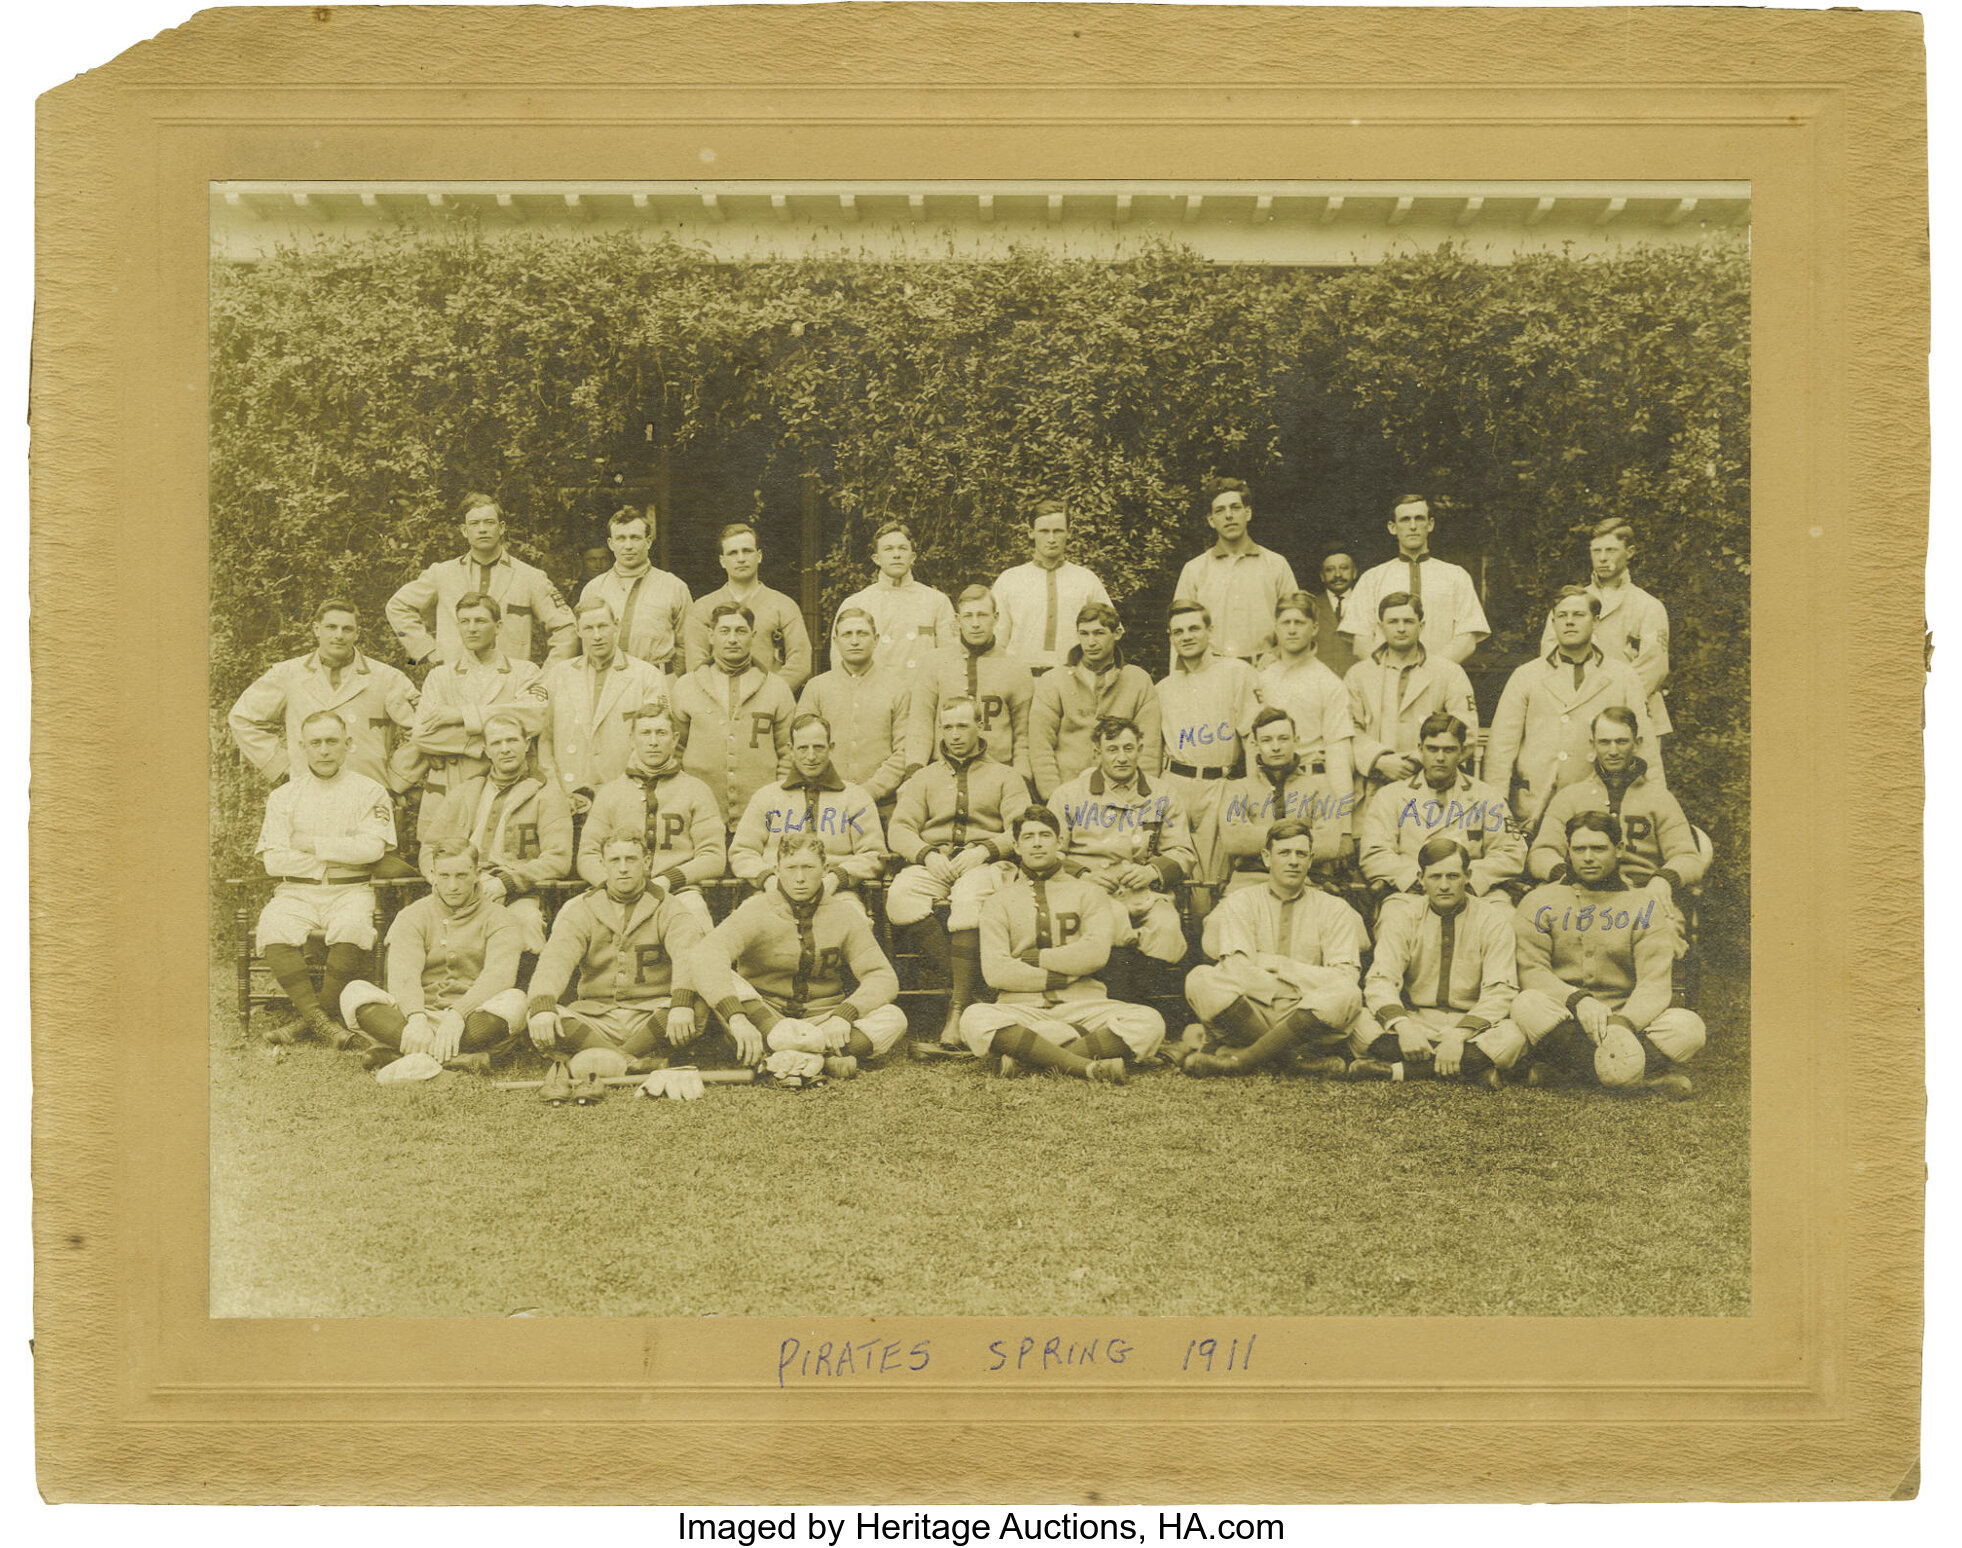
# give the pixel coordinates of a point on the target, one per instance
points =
(1049, 618)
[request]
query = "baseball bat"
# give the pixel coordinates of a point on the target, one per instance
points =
(709, 1078)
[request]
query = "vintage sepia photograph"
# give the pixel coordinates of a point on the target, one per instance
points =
(975, 748)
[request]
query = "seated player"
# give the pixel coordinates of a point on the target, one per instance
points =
(452, 973)
(461, 690)
(950, 827)
(1441, 984)
(811, 799)
(1441, 798)
(1286, 974)
(674, 813)
(1595, 967)
(1093, 682)
(628, 948)
(1043, 934)
(1280, 785)
(733, 716)
(324, 830)
(594, 696)
(974, 666)
(869, 708)
(1129, 838)
(517, 820)
(776, 970)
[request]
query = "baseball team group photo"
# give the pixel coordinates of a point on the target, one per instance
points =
(934, 751)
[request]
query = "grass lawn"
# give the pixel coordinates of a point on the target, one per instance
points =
(936, 1189)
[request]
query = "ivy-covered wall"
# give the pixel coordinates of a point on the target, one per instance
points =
(359, 389)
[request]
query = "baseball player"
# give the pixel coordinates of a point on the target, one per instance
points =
(1044, 933)
(1596, 961)
(952, 828)
(1441, 798)
(776, 970)
(1441, 984)
(870, 708)
(912, 619)
(1093, 683)
(1129, 838)
(1393, 691)
(978, 667)
(1454, 622)
(1206, 704)
(452, 973)
(677, 816)
(324, 829)
(1236, 581)
(733, 716)
(1286, 970)
(1282, 784)
(517, 821)
(1633, 625)
(1294, 679)
(594, 698)
(1336, 649)
(650, 604)
(782, 644)
(377, 702)
(521, 591)
(1039, 602)
(459, 693)
(629, 949)
(811, 799)
(1539, 739)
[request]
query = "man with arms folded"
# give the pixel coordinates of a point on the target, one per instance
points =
(1442, 981)
(733, 717)
(811, 799)
(650, 604)
(452, 973)
(1337, 650)
(1394, 691)
(1236, 580)
(1633, 625)
(975, 667)
(676, 815)
(521, 591)
(870, 709)
(951, 827)
(1206, 704)
(1442, 798)
(1294, 679)
(1596, 961)
(1094, 682)
(324, 830)
(1043, 934)
(1539, 740)
(1040, 601)
(1128, 837)
(776, 969)
(628, 948)
(1282, 785)
(1454, 622)
(377, 702)
(518, 822)
(459, 693)
(594, 697)
(1287, 964)
(912, 619)
(782, 645)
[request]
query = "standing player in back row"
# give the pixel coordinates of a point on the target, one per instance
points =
(782, 644)
(523, 594)
(650, 604)
(912, 619)
(1454, 622)
(1633, 625)
(1237, 581)
(1039, 602)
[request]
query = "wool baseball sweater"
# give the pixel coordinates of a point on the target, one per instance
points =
(1105, 827)
(1043, 937)
(999, 684)
(523, 831)
(947, 805)
(1616, 944)
(443, 959)
(674, 812)
(1407, 814)
(797, 959)
(1657, 838)
(623, 953)
(734, 741)
(842, 815)
(1066, 704)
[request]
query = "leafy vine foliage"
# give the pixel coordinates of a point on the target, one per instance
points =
(359, 389)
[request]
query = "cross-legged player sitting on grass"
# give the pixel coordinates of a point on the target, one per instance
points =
(452, 973)
(1595, 970)
(1287, 971)
(629, 947)
(1442, 982)
(1043, 934)
(776, 972)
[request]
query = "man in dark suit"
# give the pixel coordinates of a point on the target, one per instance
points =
(1337, 651)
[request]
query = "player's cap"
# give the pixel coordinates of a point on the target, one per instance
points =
(1618, 1060)
(415, 1066)
(600, 1063)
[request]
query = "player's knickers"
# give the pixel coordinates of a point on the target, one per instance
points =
(1502, 1042)
(531, 920)
(1205, 807)
(1141, 1028)
(914, 893)
(1680, 1034)
(1149, 921)
(882, 1027)
(345, 916)
(1329, 994)
(508, 1006)
(632, 1029)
